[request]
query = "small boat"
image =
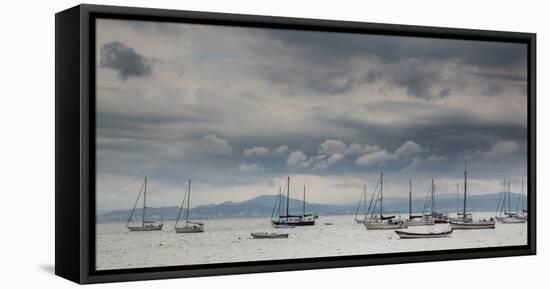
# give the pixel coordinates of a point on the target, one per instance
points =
(190, 227)
(329, 224)
(145, 225)
(416, 235)
(267, 235)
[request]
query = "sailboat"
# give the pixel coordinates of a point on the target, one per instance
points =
(277, 209)
(363, 202)
(145, 225)
(517, 217)
(293, 220)
(465, 224)
(418, 220)
(438, 218)
(458, 213)
(190, 227)
(380, 222)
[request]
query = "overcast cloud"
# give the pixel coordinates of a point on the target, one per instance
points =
(239, 109)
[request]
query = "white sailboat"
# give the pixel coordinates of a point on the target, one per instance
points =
(519, 216)
(418, 220)
(459, 217)
(380, 222)
(145, 225)
(190, 227)
(465, 224)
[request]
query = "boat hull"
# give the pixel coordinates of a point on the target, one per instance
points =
(268, 235)
(472, 225)
(412, 235)
(384, 226)
(190, 229)
(513, 221)
(145, 228)
(421, 222)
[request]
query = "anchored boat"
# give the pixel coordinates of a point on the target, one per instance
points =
(418, 220)
(145, 225)
(288, 219)
(466, 224)
(379, 222)
(418, 235)
(190, 226)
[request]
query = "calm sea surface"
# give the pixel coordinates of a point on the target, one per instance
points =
(228, 240)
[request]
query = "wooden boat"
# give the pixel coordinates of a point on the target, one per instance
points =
(288, 219)
(464, 224)
(380, 222)
(417, 235)
(190, 227)
(267, 235)
(145, 225)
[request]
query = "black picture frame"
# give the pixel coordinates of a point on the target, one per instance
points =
(75, 143)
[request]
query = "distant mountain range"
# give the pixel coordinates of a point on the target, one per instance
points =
(262, 206)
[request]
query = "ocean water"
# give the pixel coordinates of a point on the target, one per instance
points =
(229, 240)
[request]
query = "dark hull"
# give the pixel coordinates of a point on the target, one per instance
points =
(299, 223)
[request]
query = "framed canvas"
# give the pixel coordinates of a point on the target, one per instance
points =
(195, 144)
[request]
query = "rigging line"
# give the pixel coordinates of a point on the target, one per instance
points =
(372, 198)
(135, 204)
(181, 206)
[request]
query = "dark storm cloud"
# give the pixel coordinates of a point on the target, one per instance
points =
(450, 131)
(125, 60)
(407, 60)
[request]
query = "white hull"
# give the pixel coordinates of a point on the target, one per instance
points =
(513, 221)
(472, 225)
(145, 228)
(420, 222)
(411, 235)
(384, 226)
(190, 229)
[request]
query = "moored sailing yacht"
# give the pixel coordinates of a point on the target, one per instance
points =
(190, 227)
(145, 225)
(293, 220)
(464, 223)
(380, 222)
(418, 220)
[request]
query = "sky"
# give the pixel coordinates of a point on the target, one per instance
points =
(238, 109)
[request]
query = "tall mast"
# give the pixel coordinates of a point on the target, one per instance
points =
(280, 198)
(381, 194)
(509, 196)
(304, 208)
(433, 198)
(365, 202)
(457, 205)
(188, 201)
(410, 198)
(465, 188)
(287, 194)
(144, 204)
